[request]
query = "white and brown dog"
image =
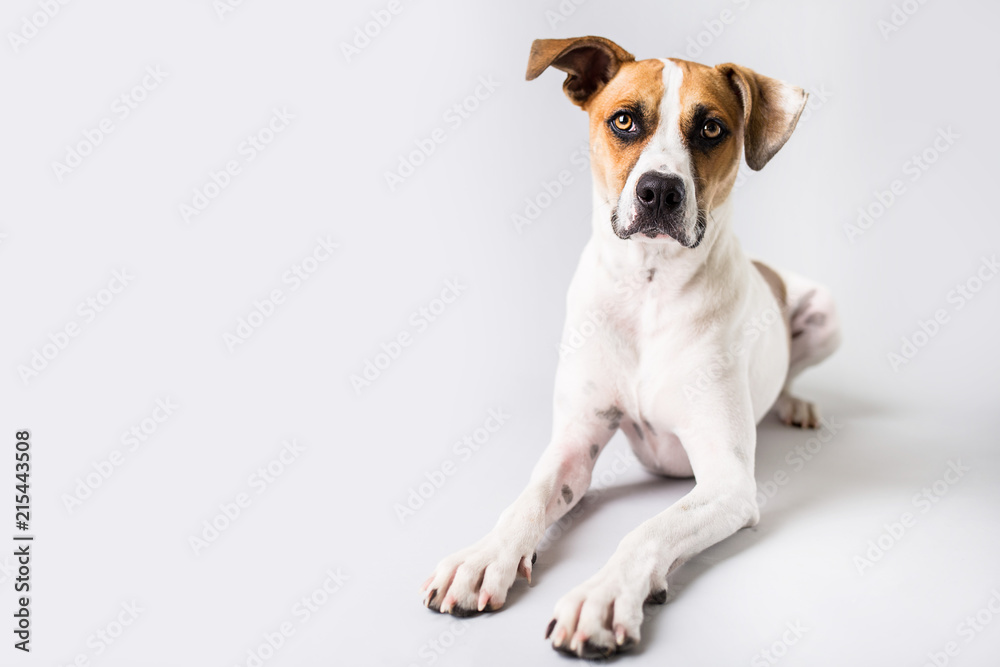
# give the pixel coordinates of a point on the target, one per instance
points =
(683, 360)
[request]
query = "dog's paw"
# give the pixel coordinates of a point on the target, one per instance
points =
(794, 411)
(600, 617)
(476, 579)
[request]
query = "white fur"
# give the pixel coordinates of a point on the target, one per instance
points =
(667, 316)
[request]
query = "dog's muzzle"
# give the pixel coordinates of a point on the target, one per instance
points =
(659, 209)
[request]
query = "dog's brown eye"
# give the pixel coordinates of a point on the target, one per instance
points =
(711, 130)
(623, 122)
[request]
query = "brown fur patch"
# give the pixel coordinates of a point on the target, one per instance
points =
(706, 93)
(589, 63)
(775, 282)
(780, 292)
(637, 88)
(771, 109)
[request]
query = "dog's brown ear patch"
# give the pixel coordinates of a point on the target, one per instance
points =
(771, 108)
(589, 62)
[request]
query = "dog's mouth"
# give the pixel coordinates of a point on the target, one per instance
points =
(672, 228)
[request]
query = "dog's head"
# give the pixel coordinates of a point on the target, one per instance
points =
(666, 136)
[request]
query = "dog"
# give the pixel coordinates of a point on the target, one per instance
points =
(699, 345)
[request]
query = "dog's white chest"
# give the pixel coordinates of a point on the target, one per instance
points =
(669, 353)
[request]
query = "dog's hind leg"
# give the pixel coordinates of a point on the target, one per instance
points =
(815, 335)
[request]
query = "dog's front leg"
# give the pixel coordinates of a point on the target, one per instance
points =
(477, 578)
(603, 615)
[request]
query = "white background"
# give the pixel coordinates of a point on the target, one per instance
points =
(883, 99)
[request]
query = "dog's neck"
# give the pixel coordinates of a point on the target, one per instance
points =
(672, 265)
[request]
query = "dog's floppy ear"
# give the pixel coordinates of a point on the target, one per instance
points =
(589, 62)
(771, 108)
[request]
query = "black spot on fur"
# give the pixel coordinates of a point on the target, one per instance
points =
(657, 597)
(567, 494)
(613, 415)
(649, 276)
(593, 451)
(649, 426)
(638, 431)
(534, 557)
(816, 320)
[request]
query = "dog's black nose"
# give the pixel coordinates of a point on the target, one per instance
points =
(660, 193)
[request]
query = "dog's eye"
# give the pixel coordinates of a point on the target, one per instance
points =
(711, 129)
(623, 122)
